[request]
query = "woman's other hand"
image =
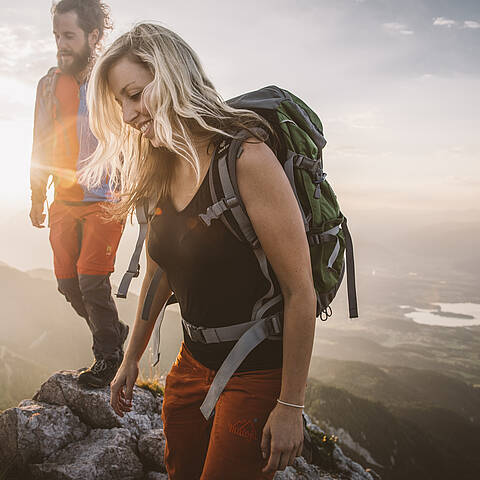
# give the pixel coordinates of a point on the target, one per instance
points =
(282, 438)
(121, 387)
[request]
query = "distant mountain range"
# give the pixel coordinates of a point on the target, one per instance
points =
(400, 387)
(40, 334)
(414, 442)
(401, 396)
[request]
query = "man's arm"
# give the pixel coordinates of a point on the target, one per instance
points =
(41, 152)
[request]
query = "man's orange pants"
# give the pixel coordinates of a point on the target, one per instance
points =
(227, 447)
(83, 242)
(84, 245)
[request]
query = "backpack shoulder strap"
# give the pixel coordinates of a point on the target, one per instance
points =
(144, 212)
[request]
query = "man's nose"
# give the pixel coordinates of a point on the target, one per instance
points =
(60, 43)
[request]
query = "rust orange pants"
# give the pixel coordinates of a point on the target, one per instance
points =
(84, 245)
(227, 447)
(83, 242)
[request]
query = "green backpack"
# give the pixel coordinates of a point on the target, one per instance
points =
(298, 147)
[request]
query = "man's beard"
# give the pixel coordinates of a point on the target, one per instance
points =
(79, 61)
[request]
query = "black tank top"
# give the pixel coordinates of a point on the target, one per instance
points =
(214, 276)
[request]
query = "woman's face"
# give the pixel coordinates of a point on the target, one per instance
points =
(127, 80)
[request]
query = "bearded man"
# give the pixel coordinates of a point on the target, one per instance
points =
(83, 243)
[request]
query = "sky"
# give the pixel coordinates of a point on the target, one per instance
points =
(396, 84)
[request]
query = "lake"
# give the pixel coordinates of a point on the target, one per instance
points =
(446, 314)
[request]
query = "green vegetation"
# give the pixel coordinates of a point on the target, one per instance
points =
(399, 386)
(322, 451)
(152, 385)
(414, 442)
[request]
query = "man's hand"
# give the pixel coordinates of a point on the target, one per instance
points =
(37, 216)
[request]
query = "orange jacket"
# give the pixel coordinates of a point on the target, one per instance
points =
(62, 140)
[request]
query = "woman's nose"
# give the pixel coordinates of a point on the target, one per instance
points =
(129, 114)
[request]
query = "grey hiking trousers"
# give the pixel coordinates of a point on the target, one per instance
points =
(91, 298)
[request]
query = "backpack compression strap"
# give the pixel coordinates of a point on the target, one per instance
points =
(147, 305)
(351, 289)
(143, 213)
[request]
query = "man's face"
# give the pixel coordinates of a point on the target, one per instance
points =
(73, 50)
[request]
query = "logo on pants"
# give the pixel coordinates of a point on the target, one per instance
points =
(245, 429)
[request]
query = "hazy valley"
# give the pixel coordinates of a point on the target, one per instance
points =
(402, 397)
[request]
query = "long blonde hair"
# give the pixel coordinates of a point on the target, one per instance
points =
(180, 100)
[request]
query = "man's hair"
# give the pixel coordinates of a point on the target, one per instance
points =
(91, 14)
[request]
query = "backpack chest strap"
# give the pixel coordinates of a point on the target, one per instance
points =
(216, 210)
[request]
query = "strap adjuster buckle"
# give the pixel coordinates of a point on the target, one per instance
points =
(217, 209)
(195, 333)
(274, 326)
(135, 273)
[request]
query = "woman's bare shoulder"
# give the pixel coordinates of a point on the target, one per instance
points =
(257, 162)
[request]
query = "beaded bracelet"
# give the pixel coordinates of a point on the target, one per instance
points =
(289, 404)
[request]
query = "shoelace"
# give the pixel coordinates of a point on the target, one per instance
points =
(99, 366)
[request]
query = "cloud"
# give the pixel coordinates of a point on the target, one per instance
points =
(24, 50)
(367, 119)
(397, 28)
(444, 22)
(449, 23)
(471, 24)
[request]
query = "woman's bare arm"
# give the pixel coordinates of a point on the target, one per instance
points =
(276, 218)
(121, 388)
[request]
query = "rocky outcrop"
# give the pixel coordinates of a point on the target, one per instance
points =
(69, 432)
(34, 431)
(93, 408)
(106, 454)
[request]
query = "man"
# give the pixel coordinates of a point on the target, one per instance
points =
(83, 243)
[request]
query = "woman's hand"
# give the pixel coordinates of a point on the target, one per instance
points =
(121, 387)
(282, 438)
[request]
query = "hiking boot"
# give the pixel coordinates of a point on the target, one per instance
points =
(101, 373)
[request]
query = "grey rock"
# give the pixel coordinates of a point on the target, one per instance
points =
(301, 470)
(348, 466)
(151, 448)
(92, 405)
(103, 454)
(156, 476)
(71, 433)
(34, 430)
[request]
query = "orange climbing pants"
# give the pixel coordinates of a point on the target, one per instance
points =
(83, 242)
(227, 446)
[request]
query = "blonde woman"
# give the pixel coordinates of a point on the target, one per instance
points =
(151, 102)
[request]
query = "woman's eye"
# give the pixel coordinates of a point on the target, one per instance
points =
(136, 96)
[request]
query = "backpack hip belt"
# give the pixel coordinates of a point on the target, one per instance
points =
(247, 336)
(272, 327)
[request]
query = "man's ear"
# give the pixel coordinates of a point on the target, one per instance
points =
(93, 38)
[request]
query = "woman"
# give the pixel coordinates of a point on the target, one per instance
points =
(152, 105)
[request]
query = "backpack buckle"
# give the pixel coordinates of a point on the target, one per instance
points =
(217, 209)
(135, 273)
(195, 333)
(274, 326)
